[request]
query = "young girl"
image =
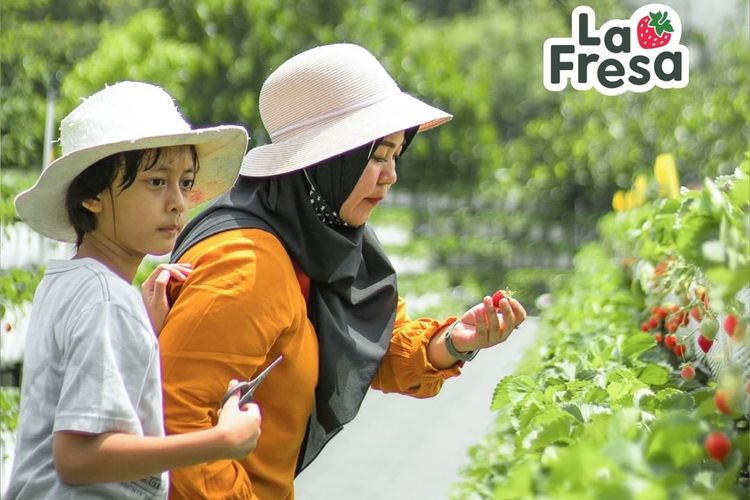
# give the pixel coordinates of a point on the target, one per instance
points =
(91, 422)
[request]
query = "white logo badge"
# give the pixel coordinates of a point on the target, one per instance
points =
(623, 55)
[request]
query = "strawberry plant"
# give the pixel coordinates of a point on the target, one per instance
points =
(597, 396)
(630, 393)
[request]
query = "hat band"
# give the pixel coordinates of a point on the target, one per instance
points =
(277, 134)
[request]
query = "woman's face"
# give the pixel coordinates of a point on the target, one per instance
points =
(379, 175)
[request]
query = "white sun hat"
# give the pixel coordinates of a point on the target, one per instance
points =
(326, 101)
(124, 117)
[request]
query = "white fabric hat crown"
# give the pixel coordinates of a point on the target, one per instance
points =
(124, 117)
(329, 100)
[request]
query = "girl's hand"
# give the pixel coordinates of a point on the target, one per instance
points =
(154, 291)
(240, 426)
(484, 326)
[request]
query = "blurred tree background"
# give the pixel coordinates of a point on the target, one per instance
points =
(511, 187)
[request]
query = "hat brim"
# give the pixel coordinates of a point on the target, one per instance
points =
(220, 151)
(340, 134)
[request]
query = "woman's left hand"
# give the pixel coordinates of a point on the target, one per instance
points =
(484, 326)
(154, 291)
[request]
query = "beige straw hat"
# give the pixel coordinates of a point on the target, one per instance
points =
(326, 101)
(123, 117)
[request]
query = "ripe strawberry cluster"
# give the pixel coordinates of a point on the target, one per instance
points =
(666, 319)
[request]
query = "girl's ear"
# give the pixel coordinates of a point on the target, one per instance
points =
(93, 205)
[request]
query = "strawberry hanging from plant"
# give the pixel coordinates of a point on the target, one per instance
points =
(654, 30)
(718, 446)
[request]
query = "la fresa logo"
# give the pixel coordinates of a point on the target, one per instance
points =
(622, 55)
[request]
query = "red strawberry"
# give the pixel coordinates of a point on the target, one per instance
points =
(695, 313)
(730, 324)
(704, 343)
(654, 30)
(678, 350)
(670, 341)
(653, 323)
(688, 372)
(721, 401)
(662, 266)
(718, 446)
(500, 295)
(658, 337)
(672, 324)
(644, 327)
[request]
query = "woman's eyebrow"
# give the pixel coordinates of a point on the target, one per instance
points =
(389, 144)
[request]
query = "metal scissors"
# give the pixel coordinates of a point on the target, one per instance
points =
(247, 388)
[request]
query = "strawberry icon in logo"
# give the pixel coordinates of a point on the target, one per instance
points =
(654, 30)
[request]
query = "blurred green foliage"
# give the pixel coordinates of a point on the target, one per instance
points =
(595, 144)
(10, 398)
(213, 55)
(12, 182)
(34, 52)
(515, 157)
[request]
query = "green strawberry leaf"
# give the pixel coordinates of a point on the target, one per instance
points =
(654, 375)
(738, 192)
(674, 440)
(693, 233)
(636, 344)
(673, 399)
(551, 426)
(660, 23)
(511, 390)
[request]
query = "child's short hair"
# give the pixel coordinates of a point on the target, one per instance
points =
(101, 176)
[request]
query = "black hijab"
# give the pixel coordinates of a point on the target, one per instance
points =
(353, 293)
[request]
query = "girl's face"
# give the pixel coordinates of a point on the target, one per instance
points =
(146, 217)
(379, 175)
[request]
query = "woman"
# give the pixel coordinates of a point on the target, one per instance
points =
(285, 264)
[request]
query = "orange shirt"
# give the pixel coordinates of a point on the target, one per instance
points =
(239, 309)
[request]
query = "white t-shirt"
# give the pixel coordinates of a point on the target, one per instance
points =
(91, 364)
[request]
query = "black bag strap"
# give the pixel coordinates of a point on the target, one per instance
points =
(214, 222)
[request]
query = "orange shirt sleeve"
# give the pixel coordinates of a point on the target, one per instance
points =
(405, 368)
(238, 310)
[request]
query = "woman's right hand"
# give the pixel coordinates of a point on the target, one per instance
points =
(240, 426)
